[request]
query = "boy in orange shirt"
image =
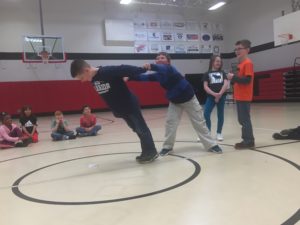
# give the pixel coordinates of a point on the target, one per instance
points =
(243, 92)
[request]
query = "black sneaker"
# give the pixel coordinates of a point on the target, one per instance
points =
(72, 136)
(146, 158)
(280, 136)
(19, 144)
(243, 145)
(216, 149)
(27, 141)
(165, 151)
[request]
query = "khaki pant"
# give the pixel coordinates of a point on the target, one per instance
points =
(195, 113)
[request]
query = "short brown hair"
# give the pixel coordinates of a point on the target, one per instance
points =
(245, 43)
(165, 54)
(77, 67)
(58, 113)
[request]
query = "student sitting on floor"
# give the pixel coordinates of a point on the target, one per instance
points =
(29, 123)
(10, 134)
(60, 128)
(88, 126)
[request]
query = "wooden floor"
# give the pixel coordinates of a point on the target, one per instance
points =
(95, 180)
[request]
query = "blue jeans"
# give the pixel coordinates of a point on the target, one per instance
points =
(208, 108)
(93, 132)
(136, 122)
(60, 136)
(243, 113)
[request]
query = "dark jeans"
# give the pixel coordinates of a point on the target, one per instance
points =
(61, 136)
(208, 108)
(136, 122)
(243, 113)
(93, 132)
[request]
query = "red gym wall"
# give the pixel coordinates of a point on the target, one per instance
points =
(70, 95)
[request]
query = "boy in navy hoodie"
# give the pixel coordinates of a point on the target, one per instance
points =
(182, 98)
(108, 82)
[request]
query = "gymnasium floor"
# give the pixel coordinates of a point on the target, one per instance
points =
(95, 180)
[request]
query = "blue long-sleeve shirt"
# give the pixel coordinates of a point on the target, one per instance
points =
(178, 89)
(109, 83)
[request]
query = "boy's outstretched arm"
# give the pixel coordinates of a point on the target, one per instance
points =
(143, 76)
(126, 70)
(160, 68)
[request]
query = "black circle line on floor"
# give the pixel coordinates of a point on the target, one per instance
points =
(290, 221)
(293, 219)
(279, 157)
(17, 192)
(128, 142)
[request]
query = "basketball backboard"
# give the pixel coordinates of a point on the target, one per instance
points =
(43, 49)
(286, 29)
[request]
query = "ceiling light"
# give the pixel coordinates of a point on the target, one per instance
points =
(216, 6)
(125, 2)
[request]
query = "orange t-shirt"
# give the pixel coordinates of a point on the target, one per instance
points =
(244, 92)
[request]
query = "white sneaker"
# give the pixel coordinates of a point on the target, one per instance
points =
(198, 139)
(220, 137)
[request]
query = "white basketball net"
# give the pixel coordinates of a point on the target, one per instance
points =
(285, 38)
(45, 56)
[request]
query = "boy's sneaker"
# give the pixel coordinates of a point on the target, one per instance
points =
(243, 145)
(216, 149)
(198, 139)
(81, 134)
(219, 137)
(279, 136)
(72, 136)
(146, 158)
(165, 151)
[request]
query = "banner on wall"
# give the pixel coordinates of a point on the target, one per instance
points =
(206, 37)
(216, 50)
(217, 37)
(167, 36)
(140, 35)
(154, 48)
(180, 36)
(167, 48)
(185, 36)
(179, 25)
(140, 48)
(154, 36)
(154, 24)
(193, 48)
(192, 37)
(140, 24)
(206, 49)
(180, 49)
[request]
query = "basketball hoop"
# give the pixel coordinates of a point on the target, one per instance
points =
(45, 56)
(285, 38)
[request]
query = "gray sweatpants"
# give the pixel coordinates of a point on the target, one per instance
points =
(195, 113)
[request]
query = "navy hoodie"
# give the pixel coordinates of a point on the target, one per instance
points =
(108, 82)
(178, 89)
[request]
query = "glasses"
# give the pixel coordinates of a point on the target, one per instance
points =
(238, 49)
